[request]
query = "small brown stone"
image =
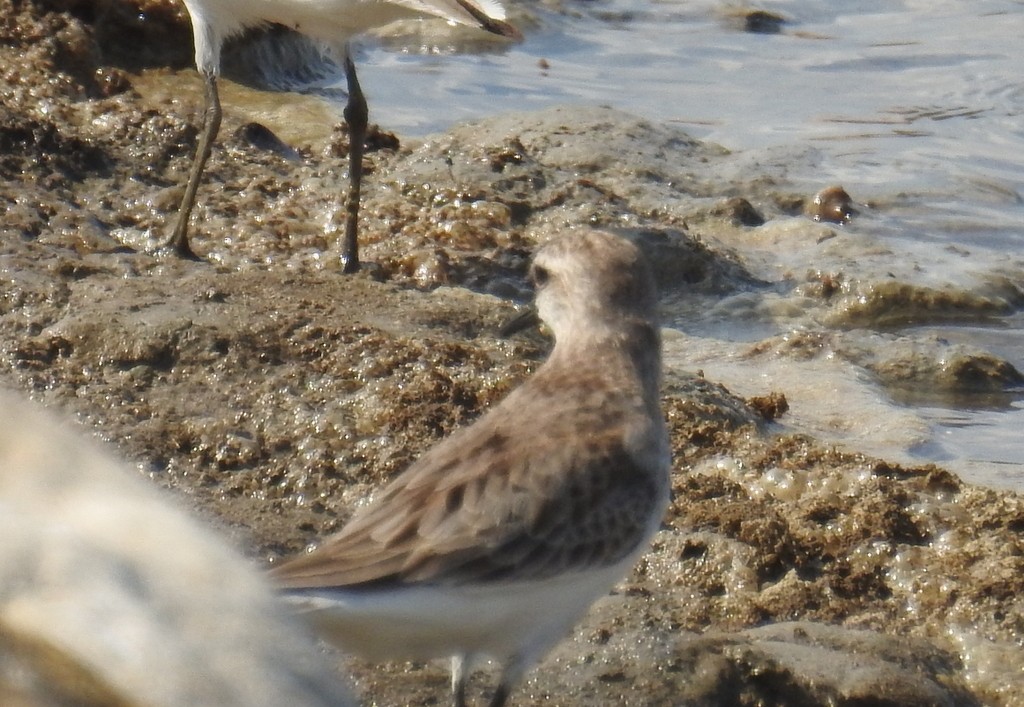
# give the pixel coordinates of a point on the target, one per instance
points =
(831, 204)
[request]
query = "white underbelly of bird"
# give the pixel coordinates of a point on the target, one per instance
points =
(497, 621)
(332, 21)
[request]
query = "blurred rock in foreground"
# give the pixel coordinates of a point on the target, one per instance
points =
(110, 596)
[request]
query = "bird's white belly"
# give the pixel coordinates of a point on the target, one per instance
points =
(332, 21)
(498, 620)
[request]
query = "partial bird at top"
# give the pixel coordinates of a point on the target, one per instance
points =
(332, 22)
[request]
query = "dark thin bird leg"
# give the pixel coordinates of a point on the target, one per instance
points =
(500, 695)
(510, 675)
(211, 126)
(356, 117)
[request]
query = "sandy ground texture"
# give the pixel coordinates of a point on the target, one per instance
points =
(272, 393)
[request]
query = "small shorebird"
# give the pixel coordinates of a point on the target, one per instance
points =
(332, 22)
(497, 540)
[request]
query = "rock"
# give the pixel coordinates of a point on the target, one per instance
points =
(785, 664)
(110, 595)
(739, 211)
(815, 664)
(831, 204)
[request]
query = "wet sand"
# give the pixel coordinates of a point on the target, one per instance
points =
(272, 393)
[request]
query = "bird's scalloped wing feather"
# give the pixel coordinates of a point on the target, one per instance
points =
(482, 507)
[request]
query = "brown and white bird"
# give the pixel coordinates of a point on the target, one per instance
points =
(332, 22)
(497, 541)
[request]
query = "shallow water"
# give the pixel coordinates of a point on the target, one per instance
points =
(915, 107)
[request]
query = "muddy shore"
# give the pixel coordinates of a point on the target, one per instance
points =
(273, 393)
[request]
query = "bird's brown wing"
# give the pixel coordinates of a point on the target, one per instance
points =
(483, 507)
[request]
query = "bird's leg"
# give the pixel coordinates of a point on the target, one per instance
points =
(500, 696)
(356, 117)
(211, 126)
(511, 674)
(460, 670)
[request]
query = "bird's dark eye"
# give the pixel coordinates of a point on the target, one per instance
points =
(539, 275)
